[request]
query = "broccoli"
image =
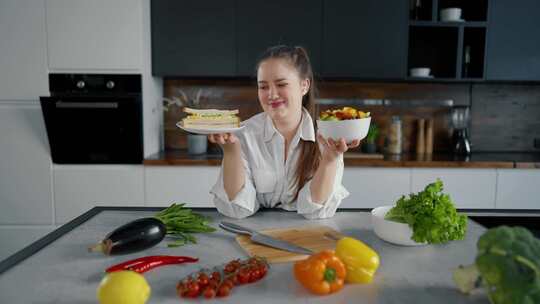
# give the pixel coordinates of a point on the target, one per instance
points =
(507, 265)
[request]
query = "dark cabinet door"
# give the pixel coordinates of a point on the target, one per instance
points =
(193, 37)
(365, 39)
(261, 24)
(513, 51)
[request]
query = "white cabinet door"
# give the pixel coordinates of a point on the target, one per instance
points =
(79, 188)
(468, 188)
(25, 166)
(97, 34)
(182, 184)
(23, 56)
(518, 189)
(373, 187)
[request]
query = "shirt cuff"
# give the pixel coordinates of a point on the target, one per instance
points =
(312, 210)
(243, 205)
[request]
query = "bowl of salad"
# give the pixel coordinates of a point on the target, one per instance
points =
(426, 217)
(347, 123)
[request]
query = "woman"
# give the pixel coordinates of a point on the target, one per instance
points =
(275, 161)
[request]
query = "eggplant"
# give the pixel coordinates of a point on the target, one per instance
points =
(134, 236)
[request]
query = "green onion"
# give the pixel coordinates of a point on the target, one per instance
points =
(181, 222)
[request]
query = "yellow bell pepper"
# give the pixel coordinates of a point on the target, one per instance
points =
(362, 114)
(360, 260)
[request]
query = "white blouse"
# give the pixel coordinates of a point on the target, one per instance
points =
(269, 179)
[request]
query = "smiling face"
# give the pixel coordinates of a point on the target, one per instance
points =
(280, 90)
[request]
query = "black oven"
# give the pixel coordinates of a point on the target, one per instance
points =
(94, 118)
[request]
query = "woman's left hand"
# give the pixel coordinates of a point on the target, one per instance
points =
(332, 149)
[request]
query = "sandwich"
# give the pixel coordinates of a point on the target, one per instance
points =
(211, 119)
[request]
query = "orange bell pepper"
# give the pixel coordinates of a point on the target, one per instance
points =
(322, 273)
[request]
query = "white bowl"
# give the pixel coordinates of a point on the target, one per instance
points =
(420, 72)
(392, 232)
(451, 14)
(349, 129)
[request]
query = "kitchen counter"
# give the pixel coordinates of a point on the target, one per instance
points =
(353, 159)
(59, 269)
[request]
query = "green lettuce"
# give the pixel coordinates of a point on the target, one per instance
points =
(431, 215)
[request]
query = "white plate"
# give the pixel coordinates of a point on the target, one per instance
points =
(208, 131)
(390, 231)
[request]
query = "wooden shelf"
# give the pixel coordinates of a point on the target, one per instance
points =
(442, 79)
(448, 23)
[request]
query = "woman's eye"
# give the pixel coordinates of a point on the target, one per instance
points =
(263, 88)
(281, 85)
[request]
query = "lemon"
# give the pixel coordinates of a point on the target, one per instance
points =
(123, 287)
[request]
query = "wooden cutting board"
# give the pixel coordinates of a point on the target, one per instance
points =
(316, 238)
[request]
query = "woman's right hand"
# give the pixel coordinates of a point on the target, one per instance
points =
(225, 140)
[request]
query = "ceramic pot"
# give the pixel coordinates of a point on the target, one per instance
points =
(197, 144)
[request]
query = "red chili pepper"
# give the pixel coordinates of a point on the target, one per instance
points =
(144, 264)
(128, 264)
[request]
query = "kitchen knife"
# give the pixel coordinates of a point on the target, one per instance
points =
(264, 239)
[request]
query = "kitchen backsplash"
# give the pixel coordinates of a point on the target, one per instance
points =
(512, 110)
(505, 117)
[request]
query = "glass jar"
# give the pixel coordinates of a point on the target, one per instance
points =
(394, 136)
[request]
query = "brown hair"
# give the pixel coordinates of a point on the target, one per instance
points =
(308, 160)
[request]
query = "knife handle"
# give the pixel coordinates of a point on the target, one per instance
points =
(235, 228)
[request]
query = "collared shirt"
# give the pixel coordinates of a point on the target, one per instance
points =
(270, 179)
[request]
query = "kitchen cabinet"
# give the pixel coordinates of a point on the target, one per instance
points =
(261, 24)
(78, 188)
(368, 39)
(185, 184)
(94, 35)
(373, 187)
(513, 44)
(468, 188)
(193, 37)
(343, 38)
(23, 55)
(518, 189)
(453, 50)
(25, 166)
(365, 39)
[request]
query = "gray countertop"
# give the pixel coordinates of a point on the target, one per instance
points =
(65, 272)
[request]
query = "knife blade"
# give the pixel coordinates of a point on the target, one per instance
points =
(263, 239)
